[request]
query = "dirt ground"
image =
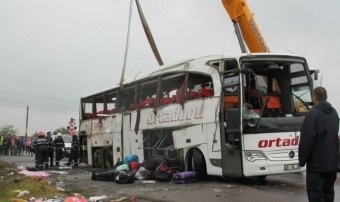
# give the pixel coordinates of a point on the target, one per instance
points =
(79, 181)
(287, 187)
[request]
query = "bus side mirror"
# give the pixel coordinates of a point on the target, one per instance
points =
(315, 73)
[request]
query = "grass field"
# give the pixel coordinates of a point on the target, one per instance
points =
(12, 183)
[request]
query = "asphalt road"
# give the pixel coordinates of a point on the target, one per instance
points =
(287, 187)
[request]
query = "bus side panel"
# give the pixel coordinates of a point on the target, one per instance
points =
(85, 126)
(117, 147)
(126, 132)
(89, 151)
(131, 141)
(188, 137)
(100, 133)
(117, 142)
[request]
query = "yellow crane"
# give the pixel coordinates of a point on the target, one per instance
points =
(245, 25)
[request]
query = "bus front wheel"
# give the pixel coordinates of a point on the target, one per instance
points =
(197, 163)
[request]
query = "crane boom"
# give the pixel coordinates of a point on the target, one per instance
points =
(243, 19)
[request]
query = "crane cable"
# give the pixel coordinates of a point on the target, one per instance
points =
(126, 46)
(149, 34)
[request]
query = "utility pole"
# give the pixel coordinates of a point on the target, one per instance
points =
(26, 121)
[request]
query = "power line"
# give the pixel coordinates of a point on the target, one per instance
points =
(37, 96)
(14, 99)
(73, 112)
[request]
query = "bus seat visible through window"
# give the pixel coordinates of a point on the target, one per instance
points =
(112, 111)
(174, 99)
(132, 106)
(165, 101)
(206, 92)
(230, 101)
(192, 95)
(152, 102)
(272, 105)
(144, 104)
(273, 102)
(149, 102)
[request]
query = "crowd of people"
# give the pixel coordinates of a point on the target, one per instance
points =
(13, 145)
(45, 148)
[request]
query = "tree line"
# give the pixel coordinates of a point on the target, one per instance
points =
(10, 129)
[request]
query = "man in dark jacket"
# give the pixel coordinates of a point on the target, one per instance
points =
(319, 147)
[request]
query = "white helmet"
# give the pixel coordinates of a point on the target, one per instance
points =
(59, 135)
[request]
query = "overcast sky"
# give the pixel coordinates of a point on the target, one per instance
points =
(54, 52)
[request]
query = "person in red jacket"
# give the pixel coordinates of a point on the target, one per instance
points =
(319, 147)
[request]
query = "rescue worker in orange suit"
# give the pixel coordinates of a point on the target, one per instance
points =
(50, 150)
(59, 146)
(74, 151)
(41, 151)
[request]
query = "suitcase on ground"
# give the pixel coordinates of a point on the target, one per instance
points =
(103, 175)
(185, 177)
(125, 177)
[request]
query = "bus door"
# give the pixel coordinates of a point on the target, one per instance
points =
(231, 143)
(231, 127)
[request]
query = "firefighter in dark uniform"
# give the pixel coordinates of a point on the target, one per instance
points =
(74, 151)
(40, 146)
(50, 150)
(59, 146)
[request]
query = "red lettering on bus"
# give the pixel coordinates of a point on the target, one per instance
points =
(278, 142)
(263, 143)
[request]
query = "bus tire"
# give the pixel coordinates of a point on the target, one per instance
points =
(108, 160)
(197, 164)
(97, 159)
(261, 180)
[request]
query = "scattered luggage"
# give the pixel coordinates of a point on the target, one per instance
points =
(185, 177)
(151, 164)
(134, 165)
(125, 177)
(156, 168)
(143, 173)
(103, 175)
(123, 167)
(130, 158)
(162, 176)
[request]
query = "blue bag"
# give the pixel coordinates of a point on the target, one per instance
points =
(130, 158)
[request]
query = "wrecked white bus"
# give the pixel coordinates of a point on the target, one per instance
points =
(230, 116)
